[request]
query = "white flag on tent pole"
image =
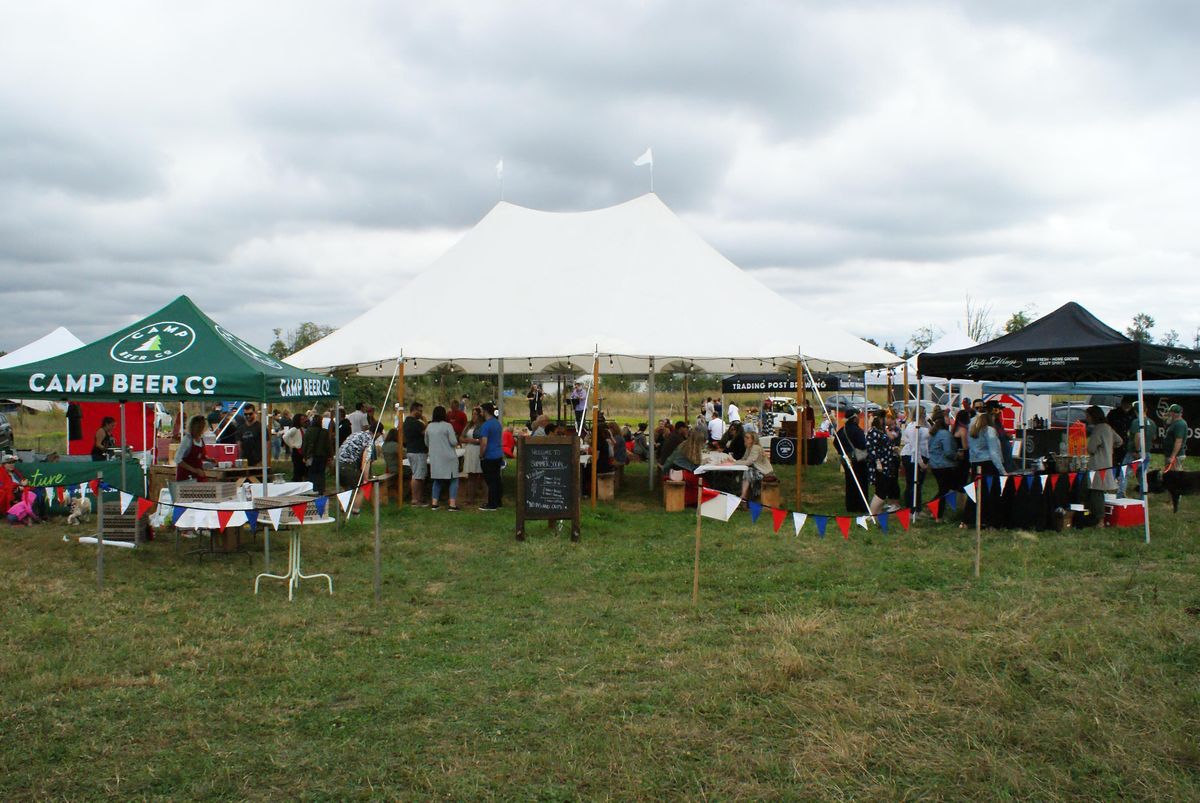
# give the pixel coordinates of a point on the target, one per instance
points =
(646, 158)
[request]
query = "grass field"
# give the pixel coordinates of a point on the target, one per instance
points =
(812, 668)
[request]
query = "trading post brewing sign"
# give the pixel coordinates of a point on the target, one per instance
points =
(785, 383)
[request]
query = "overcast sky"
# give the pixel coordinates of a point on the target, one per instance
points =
(292, 161)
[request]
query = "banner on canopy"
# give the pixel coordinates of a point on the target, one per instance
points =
(786, 383)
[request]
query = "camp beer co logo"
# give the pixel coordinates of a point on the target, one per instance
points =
(154, 342)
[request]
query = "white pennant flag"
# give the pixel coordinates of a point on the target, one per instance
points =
(125, 500)
(500, 169)
(732, 503)
(862, 521)
(798, 520)
(1003, 482)
(1092, 477)
(344, 499)
(275, 514)
(646, 158)
(969, 490)
(720, 507)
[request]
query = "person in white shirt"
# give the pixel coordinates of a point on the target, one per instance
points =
(734, 413)
(357, 419)
(716, 428)
(709, 407)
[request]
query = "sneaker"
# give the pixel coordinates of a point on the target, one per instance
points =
(452, 507)
(891, 508)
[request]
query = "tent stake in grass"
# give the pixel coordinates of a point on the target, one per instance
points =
(978, 523)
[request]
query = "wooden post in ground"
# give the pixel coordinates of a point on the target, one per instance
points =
(696, 559)
(799, 450)
(378, 545)
(100, 531)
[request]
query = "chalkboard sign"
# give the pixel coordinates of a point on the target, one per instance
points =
(548, 481)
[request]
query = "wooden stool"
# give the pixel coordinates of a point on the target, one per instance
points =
(770, 492)
(619, 470)
(605, 487)
(673, 495)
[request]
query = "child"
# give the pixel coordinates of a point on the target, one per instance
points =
(21, 510)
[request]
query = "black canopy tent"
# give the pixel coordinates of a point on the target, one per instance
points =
(1068, 345)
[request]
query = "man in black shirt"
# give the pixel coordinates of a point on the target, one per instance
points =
(416, 451)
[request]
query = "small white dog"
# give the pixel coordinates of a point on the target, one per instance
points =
(81, 508)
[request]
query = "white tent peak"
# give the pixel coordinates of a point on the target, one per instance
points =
(542, 290)
(60, 341)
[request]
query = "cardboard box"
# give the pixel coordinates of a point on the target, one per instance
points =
(1124, 513)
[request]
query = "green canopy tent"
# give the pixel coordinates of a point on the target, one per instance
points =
(175, 354)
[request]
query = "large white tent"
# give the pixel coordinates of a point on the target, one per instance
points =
(544, 291)
(951, 341)
(60, 341)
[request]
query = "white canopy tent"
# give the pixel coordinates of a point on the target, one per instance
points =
(952, 341)
(546, 291)
(60, 341)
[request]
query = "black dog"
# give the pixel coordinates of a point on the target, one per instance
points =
(1176, 483)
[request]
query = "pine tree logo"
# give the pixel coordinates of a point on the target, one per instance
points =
(153, 343)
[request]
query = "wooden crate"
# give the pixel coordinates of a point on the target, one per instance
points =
(125, 526)
(184, 492)
(160, 477)
(310, 511)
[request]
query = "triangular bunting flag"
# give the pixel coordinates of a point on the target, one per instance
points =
(321, 502)
(223, 517)
(1118, 471)
(755, 511)
(125, 500)
(1103, 473)
(732, 503)
(861, 521)
(252, 520)
(275, 514)
(1072, 477)
(905, 516)
(843, 523)
(94, 485)
(778, 517)
(299, 509)
(48, 492)
(1035, 483)
(1091, 475)
(143, 506)
(1003, 482)
(177, 513)
(60, 492)
(705, 494)
(1053, 481)
(1017, 481)
(969, 490)
(344, 499)
(822, 522)
(883, 521)
(952, 500)
(715, 507)
(991, 481)
(935, 507)
(798, 521)
(366, 491)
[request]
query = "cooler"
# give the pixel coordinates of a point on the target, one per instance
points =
(1124, 513)
(220, 452)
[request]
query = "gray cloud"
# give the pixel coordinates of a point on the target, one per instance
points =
(880, 159)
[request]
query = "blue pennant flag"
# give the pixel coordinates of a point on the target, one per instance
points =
(755, 511)
(821, 521)
(252, 520)
(990, 482)
(177, 513)
(952, 500)
(883, 521)
(320, 503)
(1116, 472)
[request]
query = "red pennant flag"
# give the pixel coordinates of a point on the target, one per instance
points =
(844, 526)
(778, 517)
(707, 494)
(95, 486)
(935, 507)
(58, 492)
(1103, 474)
(1053, 481)
(1074, 475)
(1017, 481)
(143, 506)
(905, 516)
(366, 489)
(298, 510)
(223, 517)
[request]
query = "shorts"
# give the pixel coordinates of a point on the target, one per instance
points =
(419, 463)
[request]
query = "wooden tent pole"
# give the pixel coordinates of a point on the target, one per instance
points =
(595, 421)
(799, 450)
(400, 461)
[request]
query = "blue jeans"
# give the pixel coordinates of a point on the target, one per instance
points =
(437, 489)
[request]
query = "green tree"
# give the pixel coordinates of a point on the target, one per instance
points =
(1019, 320)
(1171, 338)
(921, 339)
(1139, 330)
(979, 321)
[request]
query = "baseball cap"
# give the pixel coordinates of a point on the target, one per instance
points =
(1175, 408)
